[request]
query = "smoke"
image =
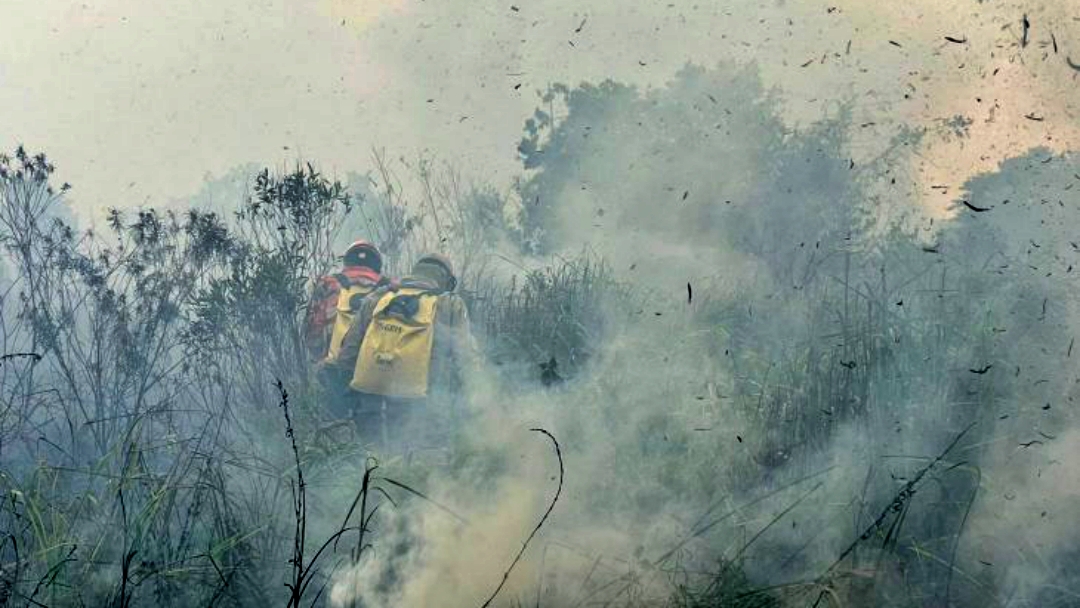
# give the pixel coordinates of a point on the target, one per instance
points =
(427, 557)
(1021, 531)
(366, 71)
(784, 333)
(794, 355)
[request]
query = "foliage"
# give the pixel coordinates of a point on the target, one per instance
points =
(842, 332)
(560, 312)
(115, 430)
(143, 362)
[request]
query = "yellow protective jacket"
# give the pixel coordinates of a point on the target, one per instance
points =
(349, 303)
(450, 350)
(333, 303)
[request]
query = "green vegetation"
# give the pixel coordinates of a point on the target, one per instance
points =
(743, 328)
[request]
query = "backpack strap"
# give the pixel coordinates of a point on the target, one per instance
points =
(395, 293)
(342, 279)
(418, 292)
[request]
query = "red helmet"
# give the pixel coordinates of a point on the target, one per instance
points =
(363, 253)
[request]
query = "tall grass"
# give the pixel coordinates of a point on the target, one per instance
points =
(145, 363)
(554, 313)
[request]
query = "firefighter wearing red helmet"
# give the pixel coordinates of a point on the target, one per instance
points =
(337, 296)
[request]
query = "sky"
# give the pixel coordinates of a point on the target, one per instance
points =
(139, 102)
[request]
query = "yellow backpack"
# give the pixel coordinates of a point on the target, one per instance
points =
(395, 356)
(347, 305)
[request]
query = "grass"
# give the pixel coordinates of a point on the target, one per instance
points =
(560, 311)
(138, 395)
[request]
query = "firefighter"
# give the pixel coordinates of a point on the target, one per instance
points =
(334, 303)
(410, 350)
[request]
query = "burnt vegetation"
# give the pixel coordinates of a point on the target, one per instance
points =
(148, 362)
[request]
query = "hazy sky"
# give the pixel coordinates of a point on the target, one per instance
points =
(139, 101)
